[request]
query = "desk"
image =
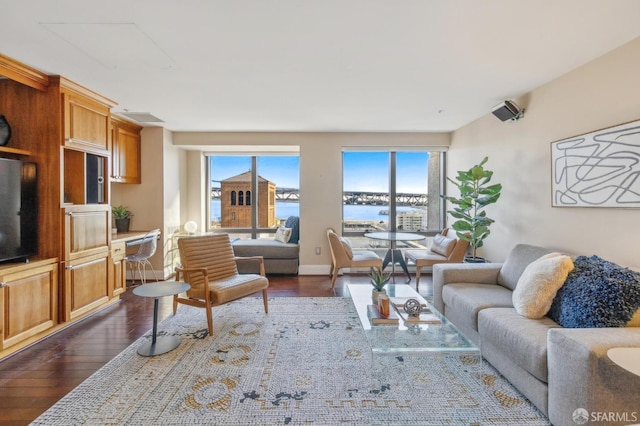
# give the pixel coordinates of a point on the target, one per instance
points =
(132, 238)
(164, 344)
(394, 255)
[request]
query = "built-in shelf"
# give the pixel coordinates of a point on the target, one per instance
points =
(14, 150)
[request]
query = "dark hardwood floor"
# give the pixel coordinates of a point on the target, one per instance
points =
(33, 379)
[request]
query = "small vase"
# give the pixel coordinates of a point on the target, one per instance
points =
(5, 131)
(375, 294)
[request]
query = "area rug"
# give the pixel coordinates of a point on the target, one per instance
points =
(307, 362)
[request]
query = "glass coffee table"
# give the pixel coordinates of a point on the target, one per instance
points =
(442, 338)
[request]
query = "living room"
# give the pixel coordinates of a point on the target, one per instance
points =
(596, 93)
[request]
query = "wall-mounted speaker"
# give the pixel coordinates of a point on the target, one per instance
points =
(508, 110)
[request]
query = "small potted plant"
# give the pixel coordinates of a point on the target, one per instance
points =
(122, 216)
(378, 280)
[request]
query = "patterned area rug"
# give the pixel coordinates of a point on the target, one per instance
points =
(305, 363)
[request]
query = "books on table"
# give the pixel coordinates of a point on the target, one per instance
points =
(377, 318)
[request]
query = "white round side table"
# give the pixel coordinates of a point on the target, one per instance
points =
(627, 358)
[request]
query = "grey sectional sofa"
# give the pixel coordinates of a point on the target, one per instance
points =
(558, 369)
(279, 258)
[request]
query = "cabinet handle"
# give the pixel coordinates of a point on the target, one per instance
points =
(69, 268)
(68, 140)
(3, 284)
(69, 213)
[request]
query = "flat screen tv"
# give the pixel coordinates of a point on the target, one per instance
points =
(18, 210)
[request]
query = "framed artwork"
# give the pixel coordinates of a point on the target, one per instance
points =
(597, 169)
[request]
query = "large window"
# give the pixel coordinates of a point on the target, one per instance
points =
(392, 190)
(251, 195)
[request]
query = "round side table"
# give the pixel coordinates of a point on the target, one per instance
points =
(163, 344)
(627, 358)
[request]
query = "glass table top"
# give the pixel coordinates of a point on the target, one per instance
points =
(442, 337)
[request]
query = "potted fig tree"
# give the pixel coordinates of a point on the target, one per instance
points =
(476, 193)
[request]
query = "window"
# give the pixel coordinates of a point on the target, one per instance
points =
(392, 190)
(252, 195)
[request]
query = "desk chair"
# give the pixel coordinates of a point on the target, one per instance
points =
(140, 259)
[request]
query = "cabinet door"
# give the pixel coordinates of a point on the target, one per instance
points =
(86, 285)
(28, 300)
(86, 231)
(86, 123)
(118, 271)
(126, 154)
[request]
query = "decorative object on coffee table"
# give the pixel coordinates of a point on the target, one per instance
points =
(413, 307)
(378, 280)
(5, 131)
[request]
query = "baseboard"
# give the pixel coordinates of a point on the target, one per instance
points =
(313, 270)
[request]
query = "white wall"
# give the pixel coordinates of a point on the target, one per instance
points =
(320, 175)
(600, 94)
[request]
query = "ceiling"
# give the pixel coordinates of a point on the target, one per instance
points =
(313, 65)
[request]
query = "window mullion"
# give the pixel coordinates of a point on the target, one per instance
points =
(392, 192)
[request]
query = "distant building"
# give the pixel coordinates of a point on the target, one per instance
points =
(411, 221)
(236, 200)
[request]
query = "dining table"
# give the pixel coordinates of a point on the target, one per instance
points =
(394, 255)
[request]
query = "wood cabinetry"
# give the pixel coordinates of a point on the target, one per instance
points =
(118, 271)
(85, 258)
(86, 121)
(28, 300)
(125, 151)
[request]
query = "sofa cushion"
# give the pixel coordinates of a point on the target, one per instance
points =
(472, 298)
(267, 248)
(597, 293)
(443, 245)
(539, 284)
(293, 222)
(283, 234)
(519, 258)
(523, 340)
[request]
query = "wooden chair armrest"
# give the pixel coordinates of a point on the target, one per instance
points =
(180, 270)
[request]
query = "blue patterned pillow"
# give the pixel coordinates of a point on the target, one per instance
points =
(293, 222)
(597, 293)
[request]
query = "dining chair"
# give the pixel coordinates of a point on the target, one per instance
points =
(208, 265)
(139, 260)
(342, 256)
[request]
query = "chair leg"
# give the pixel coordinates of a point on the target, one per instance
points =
(334, 276)
(418, 269)
(264, 300)
(142, 273)
(175, 304)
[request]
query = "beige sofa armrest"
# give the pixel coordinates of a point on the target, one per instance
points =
(581, 375)
(446, 273)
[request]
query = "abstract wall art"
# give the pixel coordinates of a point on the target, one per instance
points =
(598, 169)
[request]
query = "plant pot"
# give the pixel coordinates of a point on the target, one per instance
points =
(122, 225)
(375, 294)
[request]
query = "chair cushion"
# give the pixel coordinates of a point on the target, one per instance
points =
(519, 258)
(471, 298)
(235, 287)
(539, 284)
(598, 293)
(283, 234)
(443, 245)
(523, 340)
(425, 257)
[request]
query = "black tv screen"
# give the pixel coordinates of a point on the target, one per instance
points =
(18, 210)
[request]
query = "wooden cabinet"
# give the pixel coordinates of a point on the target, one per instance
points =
(86, 122)
(118, 271)
(85, 259)
(125, 151)
(28, 300)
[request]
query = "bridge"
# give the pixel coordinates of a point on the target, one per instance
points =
(366, 198)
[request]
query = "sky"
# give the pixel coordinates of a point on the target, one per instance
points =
(364, 171)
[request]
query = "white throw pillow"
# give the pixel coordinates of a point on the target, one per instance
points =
(539, 283)
(443, 245)
(347, 247)
(283, 234)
